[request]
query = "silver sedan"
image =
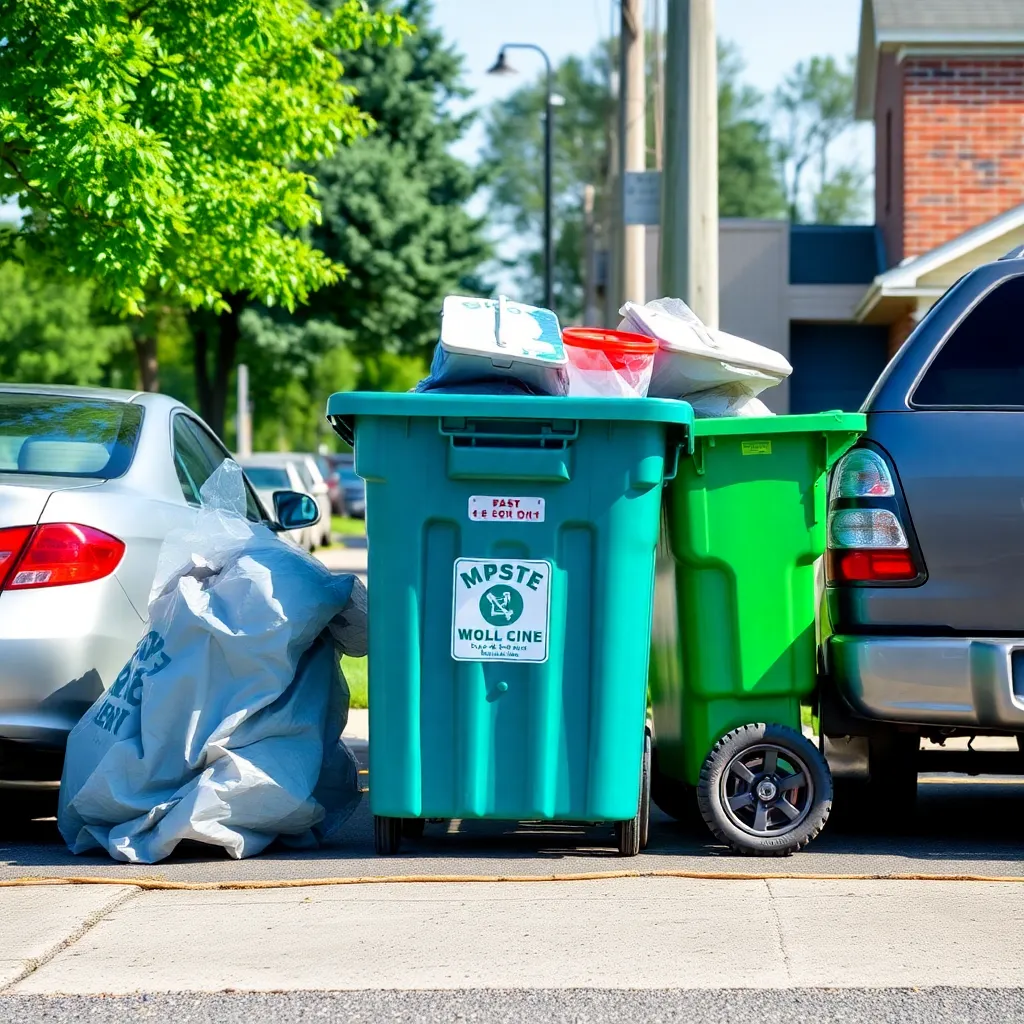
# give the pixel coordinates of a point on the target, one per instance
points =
(91, 482)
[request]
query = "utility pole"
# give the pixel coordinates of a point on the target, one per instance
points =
(243, 419)
(689, 182)
(632, 141)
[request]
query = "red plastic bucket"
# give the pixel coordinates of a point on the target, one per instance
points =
(607, 362)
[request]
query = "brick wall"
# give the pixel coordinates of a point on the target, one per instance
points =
(963, 157)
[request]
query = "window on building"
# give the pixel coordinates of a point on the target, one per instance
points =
(981, 364)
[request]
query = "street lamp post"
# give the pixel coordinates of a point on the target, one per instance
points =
(501, 67)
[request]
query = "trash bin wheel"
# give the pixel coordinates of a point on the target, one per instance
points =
(631, 835)
(412, 828)
(645, 791)
(387, 834)
(765, 790)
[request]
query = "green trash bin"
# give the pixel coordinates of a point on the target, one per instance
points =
(733, 645)
(511, 567)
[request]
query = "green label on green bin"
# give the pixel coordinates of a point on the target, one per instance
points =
(756, 447)
(501, 610)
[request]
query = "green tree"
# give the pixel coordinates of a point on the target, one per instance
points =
(814, 109)
(49, 333)
(748, 186)
(156, 145)
(394, 204)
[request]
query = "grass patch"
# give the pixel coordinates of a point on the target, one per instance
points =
(347, 526)
(355, 676)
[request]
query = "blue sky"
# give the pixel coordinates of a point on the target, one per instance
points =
(772, 36)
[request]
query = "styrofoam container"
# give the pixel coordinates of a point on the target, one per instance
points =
(692, 357)
(488, 339)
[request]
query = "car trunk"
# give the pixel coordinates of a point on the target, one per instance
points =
(23, 499)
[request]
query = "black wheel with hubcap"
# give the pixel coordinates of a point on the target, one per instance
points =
(387, 834)
(765, 790)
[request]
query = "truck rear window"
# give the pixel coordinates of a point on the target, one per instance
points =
(981, 364)
(54, 435)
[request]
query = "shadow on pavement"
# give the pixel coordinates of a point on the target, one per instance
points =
(961, 827)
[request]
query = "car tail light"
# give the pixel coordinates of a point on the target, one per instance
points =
(57, 554)
(12, 540)
(868, 538)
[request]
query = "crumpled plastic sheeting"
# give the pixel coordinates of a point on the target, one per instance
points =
(224, 727)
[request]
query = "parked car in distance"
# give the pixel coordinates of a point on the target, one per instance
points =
(924, 636)
(271, 474)
(352, 484)
(333, 481)
(91, 482)
(315, 482)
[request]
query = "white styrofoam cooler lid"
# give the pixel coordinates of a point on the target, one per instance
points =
(500, 329)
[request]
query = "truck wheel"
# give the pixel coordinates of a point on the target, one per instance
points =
(765, 790)
(387, 835)
(892, 778)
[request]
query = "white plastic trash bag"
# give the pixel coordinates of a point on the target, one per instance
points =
(225, 725)
(727, 400)
(693, 358)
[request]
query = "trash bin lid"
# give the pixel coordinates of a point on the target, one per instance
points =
(344, 406)
(795, 424)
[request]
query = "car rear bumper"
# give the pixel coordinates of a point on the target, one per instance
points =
(945, 681)
(60, 648)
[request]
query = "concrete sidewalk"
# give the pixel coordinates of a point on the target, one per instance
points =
(618, 934)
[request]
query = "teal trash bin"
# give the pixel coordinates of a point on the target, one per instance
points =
(511, 568)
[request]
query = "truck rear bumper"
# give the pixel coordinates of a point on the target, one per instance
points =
(957, 682)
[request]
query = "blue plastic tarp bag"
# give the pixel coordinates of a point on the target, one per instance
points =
(224, 727)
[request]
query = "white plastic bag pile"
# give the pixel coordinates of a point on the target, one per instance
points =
(719, 374)
(225, 725)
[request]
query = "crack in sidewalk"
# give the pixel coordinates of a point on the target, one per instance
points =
(777, 922)
(32, 964)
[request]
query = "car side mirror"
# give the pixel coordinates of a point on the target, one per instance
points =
(294, 510)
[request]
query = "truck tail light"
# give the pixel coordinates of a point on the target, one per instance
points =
(56, 554)
(868, 538)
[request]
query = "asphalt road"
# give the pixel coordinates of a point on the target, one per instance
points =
(500, 1006)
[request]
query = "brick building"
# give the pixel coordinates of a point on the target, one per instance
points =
(943, 82)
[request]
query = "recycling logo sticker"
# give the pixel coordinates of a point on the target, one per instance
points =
(501, 610)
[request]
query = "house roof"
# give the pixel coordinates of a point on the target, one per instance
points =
(931, 24)
(908, 281)
(835, 253)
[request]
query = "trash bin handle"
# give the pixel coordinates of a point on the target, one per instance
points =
(678, 437)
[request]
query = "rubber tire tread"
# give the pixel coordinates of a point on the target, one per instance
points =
(723, 752)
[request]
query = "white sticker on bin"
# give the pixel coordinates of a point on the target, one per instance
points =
(495, 508)
(501, 610)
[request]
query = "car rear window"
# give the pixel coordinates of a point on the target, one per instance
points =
(981, 364)
(268, 478)
(53, 435)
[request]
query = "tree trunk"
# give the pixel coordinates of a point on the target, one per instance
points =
(149, 363)
(215, 341)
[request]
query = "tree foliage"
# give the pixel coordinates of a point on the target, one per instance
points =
(155, 143)
(748, 186)
(49, 331)
(814, 109)
(394, 204)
